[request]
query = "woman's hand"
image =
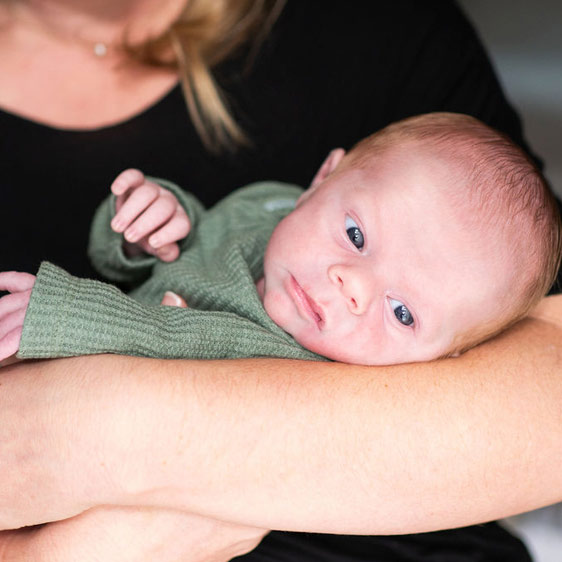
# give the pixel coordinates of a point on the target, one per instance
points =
(115, 534)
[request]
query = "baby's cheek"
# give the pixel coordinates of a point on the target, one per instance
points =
(279, 309)
(320, 345)
(346, 348)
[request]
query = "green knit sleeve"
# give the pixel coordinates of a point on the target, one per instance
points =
(105, 248)
(68, 316)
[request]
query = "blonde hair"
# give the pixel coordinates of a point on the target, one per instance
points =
(505, 188)
(206, 33)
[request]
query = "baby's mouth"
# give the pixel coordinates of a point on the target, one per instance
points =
(306, 303)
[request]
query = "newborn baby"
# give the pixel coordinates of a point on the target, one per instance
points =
(428, 237)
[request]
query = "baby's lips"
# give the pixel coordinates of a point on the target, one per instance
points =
(313, 305)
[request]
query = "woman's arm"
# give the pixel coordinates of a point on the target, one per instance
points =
(292, 445)
(116, 534)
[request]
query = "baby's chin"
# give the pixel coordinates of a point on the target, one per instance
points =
(377, 361)
(341, 356)
(332, 348)
(369, 360)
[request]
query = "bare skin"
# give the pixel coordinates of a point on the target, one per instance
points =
(127, 526)
(35, 61)
(516, 371)
(130, 535)
(481, 431)
(152, 222)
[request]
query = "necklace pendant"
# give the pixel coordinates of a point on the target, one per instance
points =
(100, 49)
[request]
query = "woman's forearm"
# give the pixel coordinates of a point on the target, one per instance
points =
(304, 446)
(402, 449)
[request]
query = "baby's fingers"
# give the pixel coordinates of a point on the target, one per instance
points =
(126, 180)
(13, 302)
(174, 230)
(159, 213)
(173, 299)
(167, 253)
(130, 209)
(12, 309)
(16, 281)
(10, 344)
(11, 326)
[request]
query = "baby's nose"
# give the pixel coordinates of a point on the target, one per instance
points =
(353, 285)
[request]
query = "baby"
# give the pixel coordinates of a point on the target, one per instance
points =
(427, 238)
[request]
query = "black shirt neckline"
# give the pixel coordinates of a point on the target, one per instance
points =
(41, 125)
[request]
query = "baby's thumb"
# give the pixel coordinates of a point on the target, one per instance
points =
(171, 299)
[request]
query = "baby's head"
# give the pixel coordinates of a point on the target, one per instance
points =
(427, 238)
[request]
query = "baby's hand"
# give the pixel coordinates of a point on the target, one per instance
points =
(148, 215)
(172, 299)
(12, 309)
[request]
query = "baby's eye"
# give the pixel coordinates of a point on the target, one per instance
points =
(354, 233)
(401, 312)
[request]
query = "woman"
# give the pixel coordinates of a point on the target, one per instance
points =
(314, 79)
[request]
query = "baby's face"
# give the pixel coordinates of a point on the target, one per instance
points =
(372, 268)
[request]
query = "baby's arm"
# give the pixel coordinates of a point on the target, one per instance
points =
(150, 217)
(13, 308)
(68, 316)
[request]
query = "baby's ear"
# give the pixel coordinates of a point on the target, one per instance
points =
(328, 166)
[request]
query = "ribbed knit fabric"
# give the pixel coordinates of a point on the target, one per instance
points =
(221, 259)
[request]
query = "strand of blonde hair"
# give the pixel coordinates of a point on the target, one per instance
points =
(205, 34)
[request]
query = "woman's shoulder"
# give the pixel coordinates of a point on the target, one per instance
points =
(377, 42)
(357, 15)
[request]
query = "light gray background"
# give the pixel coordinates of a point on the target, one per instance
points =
(524, 39)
